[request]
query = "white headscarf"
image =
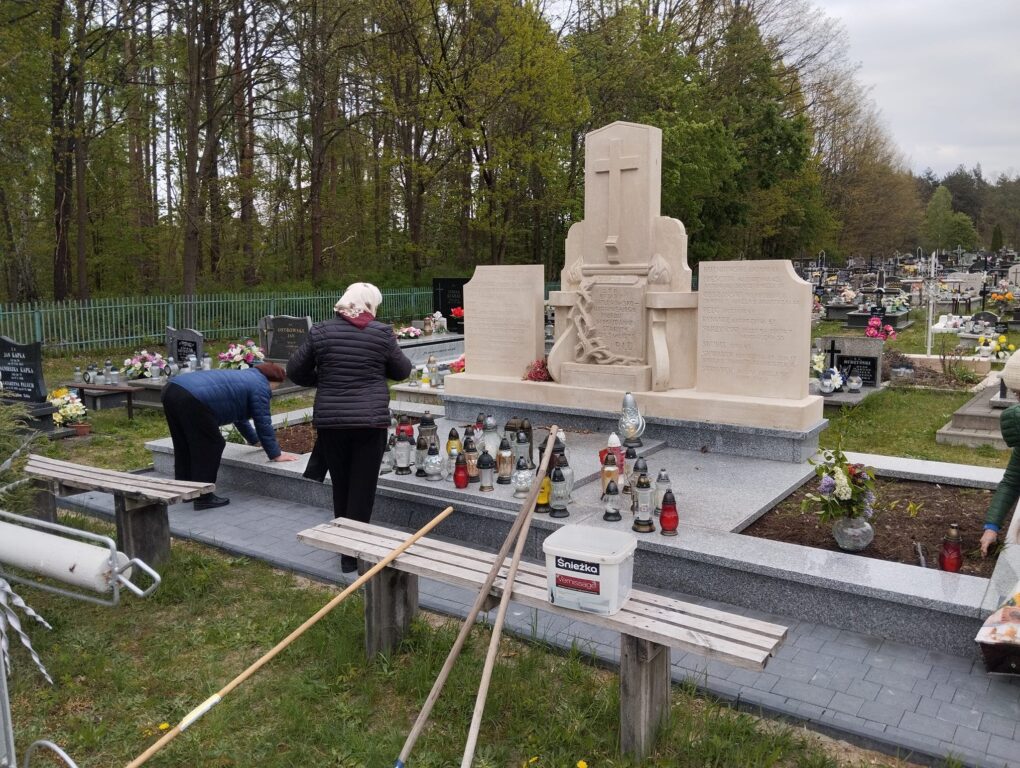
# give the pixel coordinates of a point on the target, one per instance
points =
(358, 298)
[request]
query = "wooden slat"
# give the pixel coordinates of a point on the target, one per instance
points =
(111, 481)
(725, 636)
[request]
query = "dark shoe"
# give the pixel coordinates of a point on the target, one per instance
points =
(348, 563)
(210, 501)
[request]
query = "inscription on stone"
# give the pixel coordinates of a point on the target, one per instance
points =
(503, 342)
(21, 374)
(865, 367)
(617, 313)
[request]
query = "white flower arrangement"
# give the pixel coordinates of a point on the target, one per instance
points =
(818, 363)
(144, 364)
(243, 355)
(409, 332)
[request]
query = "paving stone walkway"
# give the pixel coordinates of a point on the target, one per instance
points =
(919, 704)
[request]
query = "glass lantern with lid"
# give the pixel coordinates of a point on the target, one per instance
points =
(662, 485)
(610, 472)
(558, 494)
(669, 518)
(521, 478)
(504, 462)
(629, 457)
(542, 500)
(460, 473)
(388, 456)
(433, 463)
(402, 455)
(643, 510)
(471, 457)
(421, 450)
(486, 470)
(490, 435)
(427, 428)
(453, 443)
(611, 499)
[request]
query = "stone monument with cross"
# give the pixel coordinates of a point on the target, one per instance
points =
(708, 368)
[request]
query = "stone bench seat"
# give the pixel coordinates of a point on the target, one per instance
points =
(140, 501)
(649, 624)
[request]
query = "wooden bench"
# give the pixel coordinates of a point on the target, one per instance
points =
(140, 501)
(649, 624)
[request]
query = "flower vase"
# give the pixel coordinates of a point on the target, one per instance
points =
(81, 429)
(852, 534)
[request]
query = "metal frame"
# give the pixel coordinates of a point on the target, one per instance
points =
(121, 574)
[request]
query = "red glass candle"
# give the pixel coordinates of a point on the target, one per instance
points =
(460, 472)
(669, 518)
(951, 556)
(404, 427)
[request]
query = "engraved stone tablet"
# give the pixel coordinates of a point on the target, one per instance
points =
(616, 311)
(503, 324)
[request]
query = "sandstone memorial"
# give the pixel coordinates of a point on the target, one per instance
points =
(723, 368)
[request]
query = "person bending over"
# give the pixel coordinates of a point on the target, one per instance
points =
(1008, 490)
(196, 405)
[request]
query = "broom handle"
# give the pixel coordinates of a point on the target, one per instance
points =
(483, 594)
(490, 657)
(190, 718)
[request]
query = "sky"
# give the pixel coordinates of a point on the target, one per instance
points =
(945, 76)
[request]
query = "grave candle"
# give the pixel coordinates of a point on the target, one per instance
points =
(643, 500)
(544, 492)
(486, 467)
(612, 502)
(669, 518)
(951, 556)
(610, 472)
(558, 495)
(433, 463)
(460, 472)
(453, 443)
(490, 435)
(421, 450)
(662, 486)
(521, 479)
(402, 455)
(504, 463)
(471, 457)
(427, 428)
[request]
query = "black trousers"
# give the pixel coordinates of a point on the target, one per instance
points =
(198, 444)
(353, 457)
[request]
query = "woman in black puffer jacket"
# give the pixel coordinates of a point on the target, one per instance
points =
(349, 359)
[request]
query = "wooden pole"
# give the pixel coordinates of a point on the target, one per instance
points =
(483, 594)
(215, 699)
(497, 630)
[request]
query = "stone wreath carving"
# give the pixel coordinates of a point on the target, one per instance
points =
(659, 272)
(589, 347)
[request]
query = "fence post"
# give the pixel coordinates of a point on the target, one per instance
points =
(170, 314)
(38, 325)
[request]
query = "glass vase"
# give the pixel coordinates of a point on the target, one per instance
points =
(852, 534)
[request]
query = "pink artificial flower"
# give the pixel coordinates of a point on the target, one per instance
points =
(249, 357)
(874, 322)
(872, 332)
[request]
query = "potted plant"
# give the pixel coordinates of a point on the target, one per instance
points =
(846, 498)
(71, 411)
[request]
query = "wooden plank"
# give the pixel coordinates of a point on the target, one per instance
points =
(97, 478)
(443, 562)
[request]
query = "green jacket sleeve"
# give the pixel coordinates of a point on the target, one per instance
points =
(1006, 494)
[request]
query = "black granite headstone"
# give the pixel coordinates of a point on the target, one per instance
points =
(21, 371)
(184, 343)
(447, 293)
(284, 334)
(865, 367)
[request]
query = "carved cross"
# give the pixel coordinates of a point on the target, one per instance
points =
(832, 352)
(614, 165)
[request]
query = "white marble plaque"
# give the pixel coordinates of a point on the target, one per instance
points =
(754, 329)
(503, 327)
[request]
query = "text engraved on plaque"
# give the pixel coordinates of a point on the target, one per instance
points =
(618, 317)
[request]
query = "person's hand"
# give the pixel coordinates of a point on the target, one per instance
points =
(286, 457)
(988, 538)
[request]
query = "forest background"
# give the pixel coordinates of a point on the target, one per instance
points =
(157, 146)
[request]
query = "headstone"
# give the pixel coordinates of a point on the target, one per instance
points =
(625, 279)
(985, 317)
(504, 335)
(281, 335)
(768, 308)
(857, 355)
(183, 343)
(447, 293)
(1013, 274)
(21, 371)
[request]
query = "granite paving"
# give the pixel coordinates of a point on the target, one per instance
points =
(918, 704)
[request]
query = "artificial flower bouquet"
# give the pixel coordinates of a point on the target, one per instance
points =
(242, 355)
(848, 295)
(1003, 301)
(458, 365)
(817, 364)
(538, 371)
(844, 489)
(70, 408)
(998, 348)
(143, 365)
(876, 330)
(457, 312)
(409, 332)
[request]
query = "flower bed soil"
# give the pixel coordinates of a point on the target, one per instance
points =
(895, 530)
(296, 438)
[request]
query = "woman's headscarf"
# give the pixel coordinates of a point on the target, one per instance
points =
(358, 298)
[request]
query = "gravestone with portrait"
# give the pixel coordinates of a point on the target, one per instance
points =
(854, 355)
(707, 368)
(182, 344)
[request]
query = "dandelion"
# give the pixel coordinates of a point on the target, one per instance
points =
(582, 764)
(164, 726)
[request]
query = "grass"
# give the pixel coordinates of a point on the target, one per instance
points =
(121, 673)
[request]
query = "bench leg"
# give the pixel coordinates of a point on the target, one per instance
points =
(143, 532)
(644, 694)
(391, 601)
(46, 501)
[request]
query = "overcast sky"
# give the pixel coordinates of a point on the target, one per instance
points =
(945, 75)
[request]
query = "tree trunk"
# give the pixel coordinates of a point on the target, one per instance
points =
(60, 153)
(245, 141)
(80, 150)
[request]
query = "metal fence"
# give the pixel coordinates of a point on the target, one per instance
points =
(139, 320)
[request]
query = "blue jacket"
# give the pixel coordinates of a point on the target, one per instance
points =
(234, 397)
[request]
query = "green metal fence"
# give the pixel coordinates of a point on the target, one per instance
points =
(142, 320)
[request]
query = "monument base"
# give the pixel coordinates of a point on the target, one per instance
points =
(769, 428)
(625, 378)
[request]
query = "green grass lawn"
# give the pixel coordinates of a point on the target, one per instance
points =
(124, 674)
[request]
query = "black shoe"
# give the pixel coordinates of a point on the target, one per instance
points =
(348, 563)
(210, 501)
